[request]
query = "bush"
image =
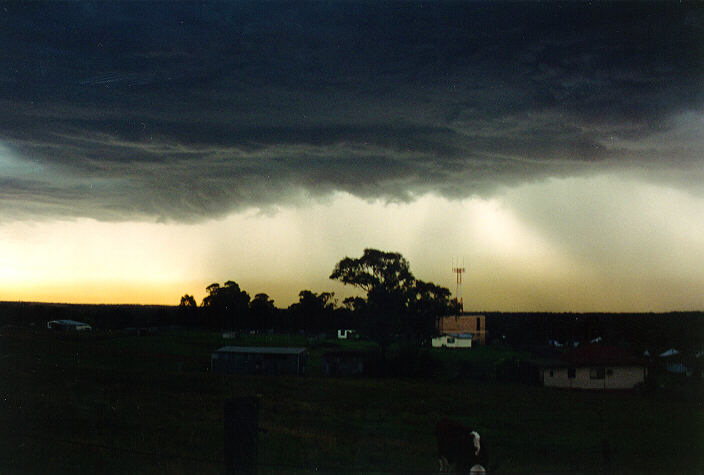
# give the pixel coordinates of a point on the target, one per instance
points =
(412, 361)
(407, 361)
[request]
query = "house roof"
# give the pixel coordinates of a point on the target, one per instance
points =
(597, 354)
(268, 350)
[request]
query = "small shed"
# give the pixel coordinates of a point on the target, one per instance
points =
(68, 325)
(344, 362)
(259, 360)
(346, 334)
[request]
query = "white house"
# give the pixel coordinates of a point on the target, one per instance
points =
(458, 340)
(596, 367)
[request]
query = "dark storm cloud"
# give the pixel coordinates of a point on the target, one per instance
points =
(183, 111)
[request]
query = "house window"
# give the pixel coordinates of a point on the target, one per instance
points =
(479, 324)
(597, 373)
(571, 373)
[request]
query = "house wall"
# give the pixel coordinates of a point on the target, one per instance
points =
(465, 324)
(622, 377)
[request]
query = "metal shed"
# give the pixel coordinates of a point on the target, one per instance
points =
(259, 360)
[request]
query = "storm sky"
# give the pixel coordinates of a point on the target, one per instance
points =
(149, 149)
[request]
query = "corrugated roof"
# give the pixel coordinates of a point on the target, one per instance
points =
(270, 350)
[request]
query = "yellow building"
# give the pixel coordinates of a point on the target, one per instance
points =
(474, 324)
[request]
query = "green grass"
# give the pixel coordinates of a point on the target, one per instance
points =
(127, 404)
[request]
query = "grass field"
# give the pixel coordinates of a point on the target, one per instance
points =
(115, 403)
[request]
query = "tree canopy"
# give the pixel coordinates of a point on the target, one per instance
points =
(262, 312)
(313, 311)
(228, 303)
(374, 270)
(188, 301)
(397, 304)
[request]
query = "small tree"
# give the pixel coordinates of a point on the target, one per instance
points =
(188, 302)
(187, 309)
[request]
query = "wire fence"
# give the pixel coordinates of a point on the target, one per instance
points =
(113, 448)
(216, 463)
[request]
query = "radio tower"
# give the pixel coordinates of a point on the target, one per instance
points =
(459, 271)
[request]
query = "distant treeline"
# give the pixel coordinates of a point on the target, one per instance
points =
(99, 316)
(316, 313)
(228, 307)
(313, 313)
(638, 331)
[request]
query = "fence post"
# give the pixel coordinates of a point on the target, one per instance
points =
(241, 426)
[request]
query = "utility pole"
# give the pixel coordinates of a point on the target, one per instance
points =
(459, 271)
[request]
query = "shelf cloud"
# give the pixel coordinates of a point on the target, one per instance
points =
(183, 112)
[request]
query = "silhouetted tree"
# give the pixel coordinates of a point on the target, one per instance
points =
(227, 305)
(354, 303)
(428, 302)
(262, 312)
(397, 304)
(187, 301)
(212, 290)
(375, 270)
(313, 312)
(187, 310)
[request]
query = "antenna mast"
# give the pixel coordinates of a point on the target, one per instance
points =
(459, 271)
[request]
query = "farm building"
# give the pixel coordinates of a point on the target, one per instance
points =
(68, 325)
(345, 334)
(596, 366)
(258, 360)
(455, 340)
(463, 324)
(344, 362)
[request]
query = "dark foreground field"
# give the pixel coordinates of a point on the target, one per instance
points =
(115, 403)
